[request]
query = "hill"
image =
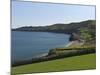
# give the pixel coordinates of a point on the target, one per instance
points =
(64, 28)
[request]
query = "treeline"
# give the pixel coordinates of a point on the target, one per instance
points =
(52, 55)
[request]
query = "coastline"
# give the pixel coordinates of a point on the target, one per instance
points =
(41, 55)
(47, 56)
(51, 55)
(70, 43)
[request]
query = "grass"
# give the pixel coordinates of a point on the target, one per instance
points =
(72, 48)
(65, 64)
(76, 46)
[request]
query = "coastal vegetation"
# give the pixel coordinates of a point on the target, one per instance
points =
(58, 54)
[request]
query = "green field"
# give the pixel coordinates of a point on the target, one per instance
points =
(65, 64)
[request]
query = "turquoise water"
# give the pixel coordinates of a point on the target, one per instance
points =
(27, 45)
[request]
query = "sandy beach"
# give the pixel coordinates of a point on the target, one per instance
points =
(76, 43)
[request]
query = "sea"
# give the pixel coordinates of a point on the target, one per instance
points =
(27, 45)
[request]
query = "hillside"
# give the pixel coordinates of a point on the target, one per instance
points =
(65, 64)
(65, 28)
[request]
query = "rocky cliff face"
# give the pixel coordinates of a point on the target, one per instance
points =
(74, 36)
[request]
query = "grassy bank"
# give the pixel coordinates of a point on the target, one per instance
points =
(58, 53)
(65, 64)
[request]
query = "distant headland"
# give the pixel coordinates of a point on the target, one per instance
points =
(62, 28)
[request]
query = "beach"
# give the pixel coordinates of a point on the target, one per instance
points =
(75, 43)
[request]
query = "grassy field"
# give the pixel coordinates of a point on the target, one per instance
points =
(65, 64)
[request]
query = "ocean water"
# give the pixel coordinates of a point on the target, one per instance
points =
(28, 45)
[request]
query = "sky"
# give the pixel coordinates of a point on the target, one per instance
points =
(42, 14)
